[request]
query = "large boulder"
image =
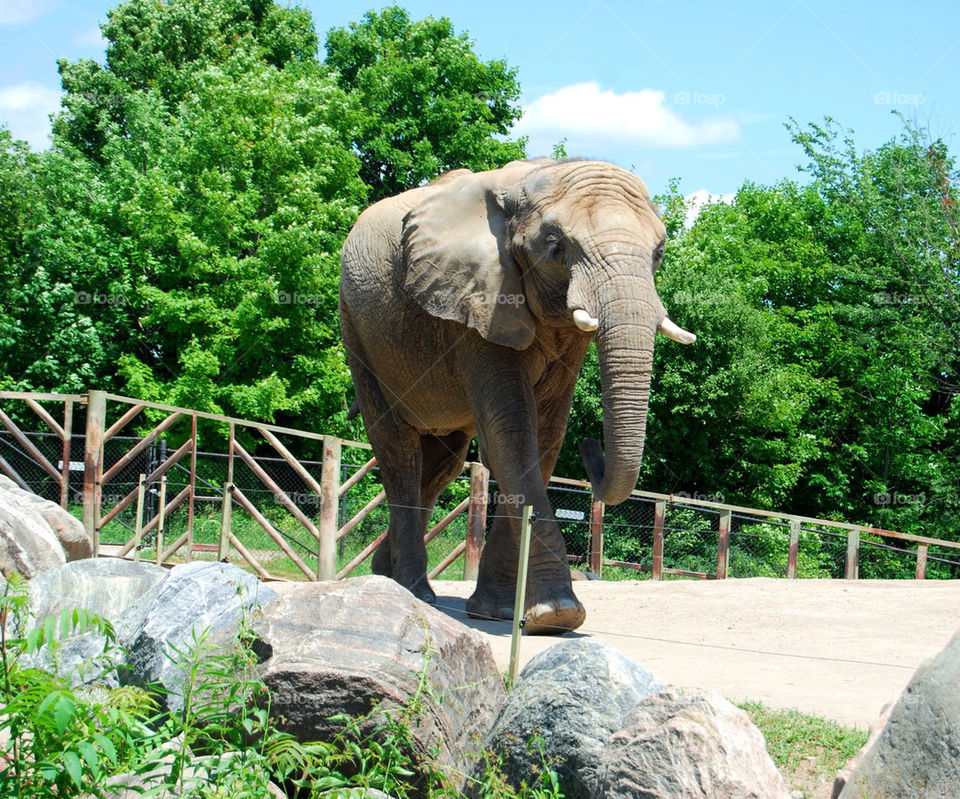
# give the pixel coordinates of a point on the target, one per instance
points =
(68, 529)
(688, 746)
(194, 598)
(918, 752)
(105, 586)
(27, 543)
(343, 647)
(568, 700)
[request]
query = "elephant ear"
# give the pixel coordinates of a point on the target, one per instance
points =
(457, 259)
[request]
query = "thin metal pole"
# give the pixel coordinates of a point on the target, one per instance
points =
(521, 596)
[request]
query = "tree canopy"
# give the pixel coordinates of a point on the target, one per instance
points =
(180, 242)
(826, 372)
(428, 102)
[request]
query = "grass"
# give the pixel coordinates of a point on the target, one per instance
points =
(807, 750)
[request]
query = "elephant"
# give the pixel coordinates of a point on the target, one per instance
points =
(466, 307)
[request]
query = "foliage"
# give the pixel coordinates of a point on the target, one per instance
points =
(180, 242)
(429, 103)
(58, 741)
(824, 379)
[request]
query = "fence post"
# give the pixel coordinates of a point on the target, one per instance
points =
(519, 602)
(922, 561)
(659, 511)
(329, 501)
(596, 536)
(193, 484)
(477, 519)
(65, 453)
(853, 555)
(138, 530)
(226, 521)
(93, 465)
(794, 552)
(723, 545)
(161, 517)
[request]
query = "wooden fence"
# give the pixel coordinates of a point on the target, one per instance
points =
(107, 415)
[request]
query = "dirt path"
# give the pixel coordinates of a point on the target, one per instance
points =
(832, 648)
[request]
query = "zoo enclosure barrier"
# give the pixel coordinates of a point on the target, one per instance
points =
(245, 494)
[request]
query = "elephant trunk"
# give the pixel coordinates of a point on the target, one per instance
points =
(629, 314)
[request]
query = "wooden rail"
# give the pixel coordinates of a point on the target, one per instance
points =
(326, 529)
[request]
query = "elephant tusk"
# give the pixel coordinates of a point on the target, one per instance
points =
(584, 321)
(672, 330)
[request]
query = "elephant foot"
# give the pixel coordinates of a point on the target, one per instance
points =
(421, 590)
(490, 605)
(554, 616)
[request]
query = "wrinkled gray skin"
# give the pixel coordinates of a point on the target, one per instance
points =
(457, 304)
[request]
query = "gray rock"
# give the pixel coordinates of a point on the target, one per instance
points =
(917, 754)
(105, 586)
(571, 698)
(27, 544)
(68, 529)
(853, 764)
(688, 746)
(340, 647)
(193, 598)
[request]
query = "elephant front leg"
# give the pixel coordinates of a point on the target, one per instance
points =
(506, 415)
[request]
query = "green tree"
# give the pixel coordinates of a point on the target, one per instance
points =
(196, 198)
(429, 103)
(824, 380)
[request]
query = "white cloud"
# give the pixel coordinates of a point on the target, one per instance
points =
(586, 112)
(696, 200)
(21, 12)
(90, 38)
(25, 108)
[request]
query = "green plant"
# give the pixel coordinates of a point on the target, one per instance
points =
(60, 741)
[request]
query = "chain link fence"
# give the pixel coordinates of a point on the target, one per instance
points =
(276, 512)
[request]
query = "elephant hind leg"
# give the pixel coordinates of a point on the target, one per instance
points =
(396, 445)
(442, 459)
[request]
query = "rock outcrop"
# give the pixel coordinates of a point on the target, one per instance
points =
(36, 534)
(331, 648)
(692, 745)
(567, 701)
(193, 598)
(917, 754)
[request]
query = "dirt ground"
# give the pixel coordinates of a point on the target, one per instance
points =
(833, 648)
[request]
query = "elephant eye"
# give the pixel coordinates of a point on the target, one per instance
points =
(657, 256)
(555, 244)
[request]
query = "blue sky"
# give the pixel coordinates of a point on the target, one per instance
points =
(697, 91)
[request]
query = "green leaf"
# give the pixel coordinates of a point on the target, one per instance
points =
(71, 762)
(65, 711)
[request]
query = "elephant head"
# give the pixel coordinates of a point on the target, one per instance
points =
(573, 244)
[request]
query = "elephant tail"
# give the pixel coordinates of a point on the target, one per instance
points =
(353, 410)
